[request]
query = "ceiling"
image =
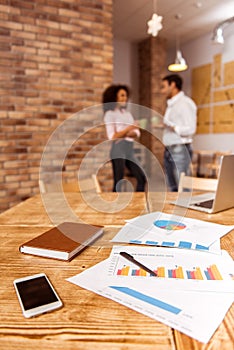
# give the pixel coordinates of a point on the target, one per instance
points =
(196, 18)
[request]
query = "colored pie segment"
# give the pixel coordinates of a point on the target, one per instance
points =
(169, 225)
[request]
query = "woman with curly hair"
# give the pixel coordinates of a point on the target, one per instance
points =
(122, 130)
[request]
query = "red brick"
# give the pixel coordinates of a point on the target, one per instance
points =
(56, 59)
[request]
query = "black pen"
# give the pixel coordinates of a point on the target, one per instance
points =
(131, 258)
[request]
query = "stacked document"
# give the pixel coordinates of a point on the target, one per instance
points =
(189, 290)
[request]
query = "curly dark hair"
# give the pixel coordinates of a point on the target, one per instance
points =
(109, 96)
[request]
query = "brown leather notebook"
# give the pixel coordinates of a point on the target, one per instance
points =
(62, 242)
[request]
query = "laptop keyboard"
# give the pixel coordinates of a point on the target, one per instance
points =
(206, 204)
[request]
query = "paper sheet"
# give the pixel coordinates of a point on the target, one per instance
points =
(173, 231)
(195, 314)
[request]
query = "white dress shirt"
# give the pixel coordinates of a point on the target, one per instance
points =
(181, 113)
(117, 120)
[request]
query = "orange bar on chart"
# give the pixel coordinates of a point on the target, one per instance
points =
(142, 272)
(161, 271)
(125, 271)
(216, 272)
(198, 274)
(179, 272)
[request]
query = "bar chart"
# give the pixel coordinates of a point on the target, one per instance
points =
(168, 243)
(149, 300)
(209, 273)
(168, 263)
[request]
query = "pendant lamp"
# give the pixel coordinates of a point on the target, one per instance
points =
(180, 64)
(218, 31)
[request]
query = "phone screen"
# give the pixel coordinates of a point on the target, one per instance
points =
(35, 292)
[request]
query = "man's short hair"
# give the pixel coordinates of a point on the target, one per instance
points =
(174, 78)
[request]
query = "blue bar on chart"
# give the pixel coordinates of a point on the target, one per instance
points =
(184, 244)
(135, 241)
(168, 244)
(201, 247)
(151, 242)
(146, 298)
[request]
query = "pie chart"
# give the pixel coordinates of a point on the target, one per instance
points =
(169, 225)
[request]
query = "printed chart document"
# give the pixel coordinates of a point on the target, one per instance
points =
(175, 268)
(197, 312)
(168, 230)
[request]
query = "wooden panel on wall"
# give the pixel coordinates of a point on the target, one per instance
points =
(201, 84)
(224, 95)
(217, 70)
(229, 73)
(203, 120)
(213, 92)
(223, 119)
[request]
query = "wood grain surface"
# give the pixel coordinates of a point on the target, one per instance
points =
(87, 320)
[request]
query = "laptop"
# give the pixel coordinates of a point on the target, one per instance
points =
(217, 201)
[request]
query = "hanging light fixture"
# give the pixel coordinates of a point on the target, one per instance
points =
(218, 31)
(180, 64)
(218, 36)
(154, 24)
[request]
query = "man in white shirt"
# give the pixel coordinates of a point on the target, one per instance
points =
(180, 122)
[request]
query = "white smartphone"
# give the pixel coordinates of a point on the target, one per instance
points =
(36, 295)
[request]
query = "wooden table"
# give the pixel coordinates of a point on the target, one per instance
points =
(88, 321)
(92, 208)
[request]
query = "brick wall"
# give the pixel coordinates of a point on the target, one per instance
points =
(56, 59)
(152, 68)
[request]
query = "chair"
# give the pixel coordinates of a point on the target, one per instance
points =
(46, 187)
(200, 159)
(79, 186)
(214, 166)
(196, 183)
(89, 184)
